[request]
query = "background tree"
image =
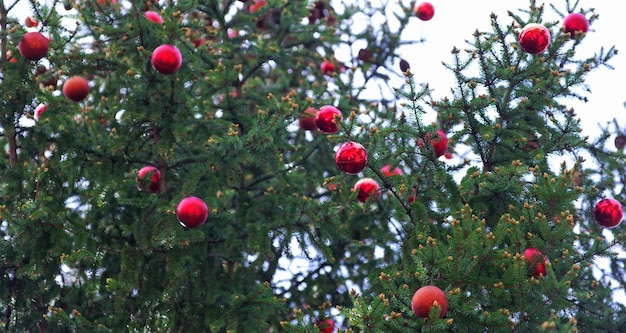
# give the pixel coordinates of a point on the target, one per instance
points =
(91, 243)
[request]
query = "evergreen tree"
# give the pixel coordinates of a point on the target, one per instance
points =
(215, 98)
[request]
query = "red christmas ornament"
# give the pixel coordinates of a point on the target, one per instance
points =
(366, 188)
(326, 325)
(608, 213)
(427, 297)
(575, 22)
(327, 67)
(306, 120)
(424, 11)
(534, 38)
(149, 179)
(39, 110)
(388, 172)
(33, 45)
(166, 59)
(76, 88)
(327, 119)
(440, 143)
(30, 22)
(192, 212)
(620, 141)
(536, 262)
(351, 157)
(256, 6)
(153, 17)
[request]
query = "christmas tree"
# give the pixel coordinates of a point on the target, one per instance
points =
(252, 166)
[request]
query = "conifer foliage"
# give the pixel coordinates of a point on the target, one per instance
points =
(166, 169)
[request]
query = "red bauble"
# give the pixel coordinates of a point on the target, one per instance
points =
(192, 212)
(425, 298)
(30, 22)
(327, 119)
(534, 38)
(10, 57)
(306, 120)
(366, 188)
(153, 17)
(76, 88)
(388, 172)
(33, 46)
(149, 179)
(411, 198)
(351, 157)
(198, 41)
(620, 141)
(256, 6)
(608, 213)
(166, 59)
(424, 11)
(39, 110)
(536, 262)
(575, 22)
(327, 67)
(439, 143)
(326, 325)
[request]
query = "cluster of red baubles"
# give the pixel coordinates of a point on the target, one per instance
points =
(536, 262)
(607, 212)
(351, 157)
(35, 46)
(534, 38)
(191, 212)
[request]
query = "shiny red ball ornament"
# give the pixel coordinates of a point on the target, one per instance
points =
(425, 298)
(327, 119)
(327, 67)
(76, 88)
(424, 11)
(256, 6)
(149, 179)
(575, 22)
(166, 59)
(536, 262)
(39, 110)
(388, 171)
(365, 189)
(440, 143)
(30, 22)
(620, 141)
(608, 213)
(33, 46)
(192, 212)
(534, 38)
(306, 120)
(351, 157)
(326, 325)
(153, 17)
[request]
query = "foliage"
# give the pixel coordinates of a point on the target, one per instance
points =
(286, 242)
